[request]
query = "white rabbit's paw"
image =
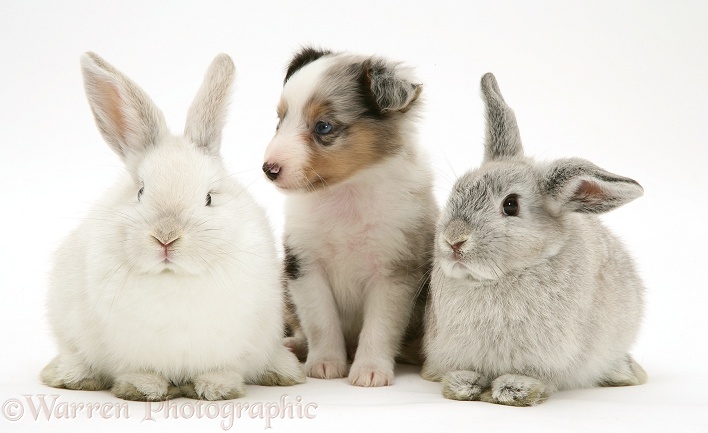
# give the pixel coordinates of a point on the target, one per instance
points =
(187, 391)
(363, 374)
(89, 384)
(144, 387)
(463, 385)
(282, 378)
(326, 369)
(284, 370)
(516, 390)
(219, 385)
(70, 375)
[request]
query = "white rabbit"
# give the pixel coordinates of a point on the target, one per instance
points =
(530, 293)
(171, 286)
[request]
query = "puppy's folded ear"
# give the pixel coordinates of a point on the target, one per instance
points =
(392, 86)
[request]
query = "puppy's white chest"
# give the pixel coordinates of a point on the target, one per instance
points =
(345, 232)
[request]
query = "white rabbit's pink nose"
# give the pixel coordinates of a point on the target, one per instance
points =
(166, 239)
(166, 243)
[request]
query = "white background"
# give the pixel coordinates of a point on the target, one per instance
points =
(622, 83)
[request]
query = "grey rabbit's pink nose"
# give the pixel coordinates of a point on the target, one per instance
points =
(457, 245)
(271, 170)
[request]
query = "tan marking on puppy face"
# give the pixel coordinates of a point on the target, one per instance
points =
(358, 146)
(316, 109)
(282, 108)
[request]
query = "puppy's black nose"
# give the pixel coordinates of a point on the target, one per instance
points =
(271, 170)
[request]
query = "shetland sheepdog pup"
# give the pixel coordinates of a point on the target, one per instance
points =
(360, 211)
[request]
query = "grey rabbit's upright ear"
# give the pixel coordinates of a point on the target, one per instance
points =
(207, 114)
(577, 185)
(502, 139)
(391, 85)
(126, 116)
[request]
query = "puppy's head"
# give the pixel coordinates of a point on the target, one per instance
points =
(338, 113)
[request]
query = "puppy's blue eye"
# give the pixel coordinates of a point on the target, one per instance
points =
(323, 127)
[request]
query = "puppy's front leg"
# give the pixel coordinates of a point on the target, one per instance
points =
(387, 309)
(317, 309)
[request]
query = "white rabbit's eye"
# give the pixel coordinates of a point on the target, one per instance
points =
(510, 206)
(140, 192)
(208, 199)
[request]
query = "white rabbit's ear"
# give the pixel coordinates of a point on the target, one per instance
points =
(207, 114)
(126, 116)
(502, 139)
(577, 185)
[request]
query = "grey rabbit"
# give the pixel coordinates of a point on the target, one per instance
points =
(530, 293)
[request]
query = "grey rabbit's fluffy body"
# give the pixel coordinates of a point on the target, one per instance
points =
(530, 293)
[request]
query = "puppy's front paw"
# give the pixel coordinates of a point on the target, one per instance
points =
(326, 369)
(463, 385)
(370, 375)
(219, 385)
(516, 390)
(298, 346)
(144, 387)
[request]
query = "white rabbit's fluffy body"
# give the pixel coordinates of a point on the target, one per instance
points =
(171, 286)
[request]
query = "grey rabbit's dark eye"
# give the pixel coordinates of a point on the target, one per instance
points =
(510, 206)
(208, 199)
(140, 192)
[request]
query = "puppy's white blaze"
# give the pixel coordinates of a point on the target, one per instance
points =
(287, 148)
(302, 84)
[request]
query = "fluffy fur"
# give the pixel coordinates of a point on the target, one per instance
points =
(359, 212)
(171, 285)
(530, 293)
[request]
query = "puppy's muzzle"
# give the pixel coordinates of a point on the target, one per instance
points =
(271, 170)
